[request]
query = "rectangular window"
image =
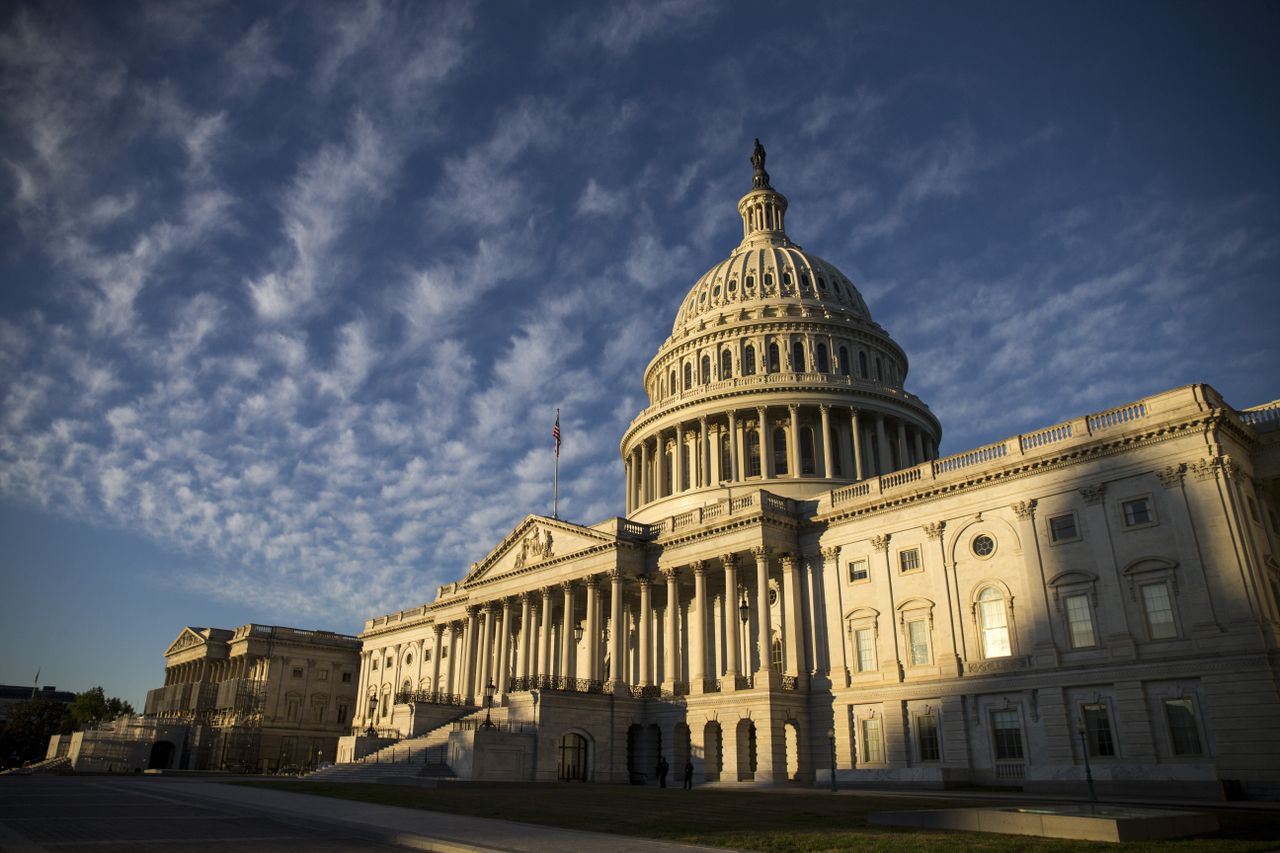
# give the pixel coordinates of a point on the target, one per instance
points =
(1062, 527)
(1079, 621)
(866, 644)
(1137, 511)
(872, 741)
(858, 571)
(1159, 611)
(918, 638)
(297, 672)
(343, 716)
(1184, 731)
(927, 735)
(317, 713)
(1006, 735)
(375, 663)
(346, 678)
(1097, 731)
(291, 710)
(322, 675)
(909, 560)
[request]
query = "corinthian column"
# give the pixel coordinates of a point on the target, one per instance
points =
(504, 648)
(646, 640)
(794, 445)
(792, 630)
(671, 652)
(566, 633)
(544, 643)
(526, 635)
(763, 621)
(617, 673)
(437, 633)
(468, 654)
(486, 650)
(730, 618)
(592, 632)
(826, 440)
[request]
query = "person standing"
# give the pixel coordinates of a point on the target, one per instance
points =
(688, 775)
(663, 769)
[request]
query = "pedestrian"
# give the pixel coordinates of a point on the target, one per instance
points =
(663, 769)
(688, 775)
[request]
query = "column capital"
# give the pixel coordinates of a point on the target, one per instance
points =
(831, 553)
(437, 629)
(793, 407)
(881, 543)
(490, 606)
(527, 595)
(826, 407)
(643, 581)
(616, 575)
(590, 582)
(671, 573)
(934, 529)
(1172, 475)
(760, 553)
(1093, 494)
(729, 560)
(1024, 510)
(473, 611)
(788, 561)
(703, 420)
(699, 567)
(567, 586)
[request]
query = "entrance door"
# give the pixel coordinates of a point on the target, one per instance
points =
(161, 755)
(572, 765)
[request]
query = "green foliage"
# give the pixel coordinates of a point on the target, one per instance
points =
(25, 737)
(91, 707)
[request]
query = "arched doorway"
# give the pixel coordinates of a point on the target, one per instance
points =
(713, 757)
(791, 737)
(652, 751)
(680, 753)
(635, 736)
(161, 755)
(571, 764)
(746, 751)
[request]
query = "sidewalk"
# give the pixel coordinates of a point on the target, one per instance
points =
(425, 830)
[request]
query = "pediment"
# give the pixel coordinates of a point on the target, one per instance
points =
(188, 638)
(538, 539)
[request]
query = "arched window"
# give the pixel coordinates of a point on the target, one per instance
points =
(797, 357)
(862, 364)
(779, 452)
(671, 386)
(806, 451)
(993, 622)
(824, 363)
(726, 464)
(668, 463)
(844, 360)
(749, 361)
(684, 467)
(775, 655)
(688, 376)
(837, 464)
(753, 453)
(879, 370)
(406, 687)
(706, 370)
(775, 361)
(726, 364)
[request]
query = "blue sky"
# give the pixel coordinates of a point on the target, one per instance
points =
(290, 294)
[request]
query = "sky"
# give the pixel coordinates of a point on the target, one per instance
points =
(291, 292)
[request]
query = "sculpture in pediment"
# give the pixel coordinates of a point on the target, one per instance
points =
(536, 545)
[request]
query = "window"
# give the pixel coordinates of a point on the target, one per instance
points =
(1137, 512)
(797, 357)
(388, 661)
(297, 672)
(879, 370)
(1063, 527)
(408, 660)
(927, 737)
(1079, 621)
(824, 362)
(865, 641)
(706, 370)
(317, 713)
(807, 462)
(918, 640)
(753, 453)
(862, 364)
(872, 741)
(837, 462)
(375, 663)
(406, 686)
(993, 622)
(843, 357)
(444, 653)
(1006, 735)
(291, 708)
(1158, 608)
(749, 361)
(726, 464)
(775, 360)
(983, 546)
(1097, 731)
(346, 678)
(1184, 730)
(859, 571)
(780, 452)
(672, 386)
(909, 560)
(426, 655)
(688, 376)
(343, 714)
(322, 675)
(726, 364)
(775, 655)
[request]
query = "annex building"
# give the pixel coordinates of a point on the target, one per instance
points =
(802, 586)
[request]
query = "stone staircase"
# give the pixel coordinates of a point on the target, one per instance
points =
(59, 765)
(424, 755)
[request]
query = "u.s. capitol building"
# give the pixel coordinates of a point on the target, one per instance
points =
(800, 579)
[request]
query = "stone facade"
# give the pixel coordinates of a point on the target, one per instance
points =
(803, 587)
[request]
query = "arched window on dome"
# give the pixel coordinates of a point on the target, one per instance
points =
(753, 453)
(749, 360)
(862, 364)
(844, 360)
(797, 357)
(683, 450)
(820, 355)
(668, 464)
(806, 451)
(671, 385)
(726, 463)
(837, 458)
(705, 373)
(779, 452)
(879, 370)
(726, 363)
(688, 376)
(775, 360)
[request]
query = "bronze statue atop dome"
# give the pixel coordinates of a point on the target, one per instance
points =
(760, 180)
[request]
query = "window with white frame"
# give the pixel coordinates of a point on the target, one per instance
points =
(859, 571)
(909, 560)
(864, 641)
(1006, 735)
(918, 641)
(1079, 613)
(993, 624)
(1157, 608)
(1062, 528)
(872, 741)
(1184, 727)
(1097, 730)
(927, 738)
(1138, 512)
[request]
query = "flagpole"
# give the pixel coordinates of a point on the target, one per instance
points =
(555, 483)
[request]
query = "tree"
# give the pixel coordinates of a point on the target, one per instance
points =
(25, 737)
(92, 707)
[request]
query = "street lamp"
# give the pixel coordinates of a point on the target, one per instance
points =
(744, 609)
(488, 705)
(1088, 771)
(577, 633)
(831, 736)
(373, 708)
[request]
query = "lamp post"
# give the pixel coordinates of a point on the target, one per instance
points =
(831, 736)
(373, 708)
(488, 706)
(1088, 771)
(577, 633)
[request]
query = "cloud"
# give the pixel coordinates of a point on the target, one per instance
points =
(617, 29)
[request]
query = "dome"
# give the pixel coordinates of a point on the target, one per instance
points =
(775, 377)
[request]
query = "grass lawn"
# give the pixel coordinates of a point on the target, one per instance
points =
(786, 822)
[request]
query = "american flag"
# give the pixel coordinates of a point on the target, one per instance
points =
(555, 433)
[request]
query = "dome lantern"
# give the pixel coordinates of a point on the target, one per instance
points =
(763, 208)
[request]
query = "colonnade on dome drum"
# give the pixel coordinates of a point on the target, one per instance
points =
(773, 444)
